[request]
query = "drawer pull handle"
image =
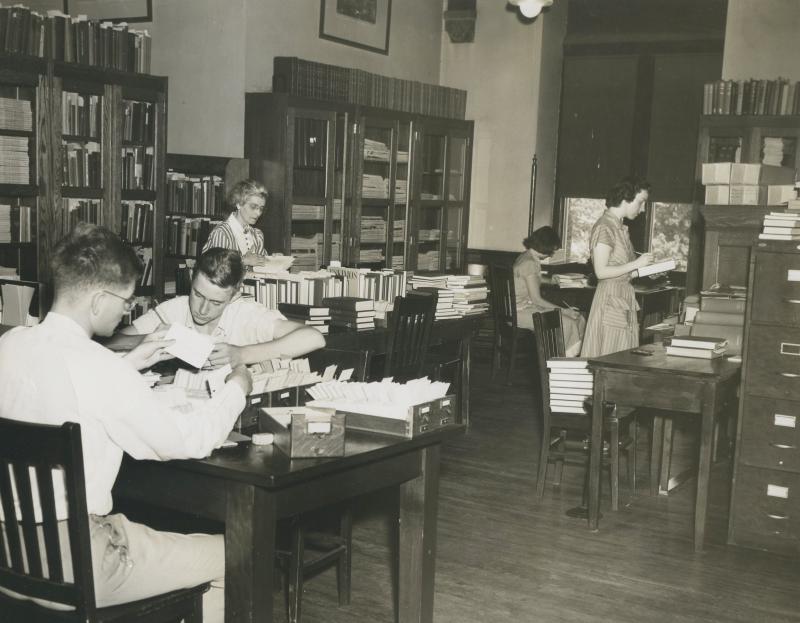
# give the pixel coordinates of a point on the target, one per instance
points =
(774, 516)
(792, 301)
(782, 446)
(789, 375)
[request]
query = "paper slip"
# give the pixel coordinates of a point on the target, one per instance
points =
(190, 346)
(658, 267)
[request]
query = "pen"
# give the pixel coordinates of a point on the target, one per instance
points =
(565, 304)
(208, 389)
(155, 309)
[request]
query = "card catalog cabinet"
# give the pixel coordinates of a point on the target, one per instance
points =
(765, 501)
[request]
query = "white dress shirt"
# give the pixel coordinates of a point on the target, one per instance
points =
(53, 373)
(243, 235)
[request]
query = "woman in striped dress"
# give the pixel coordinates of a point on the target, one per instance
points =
(613, 324)
(238, 232)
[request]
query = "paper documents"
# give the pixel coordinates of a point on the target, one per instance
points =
(16, 302)
(657, 267)
(190, 346)
(274, 264)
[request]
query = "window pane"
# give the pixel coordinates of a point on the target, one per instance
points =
(669, 236)
(581, 214)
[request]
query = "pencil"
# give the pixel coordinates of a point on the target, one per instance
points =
(155, 309)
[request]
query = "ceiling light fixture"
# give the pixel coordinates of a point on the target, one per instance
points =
(530, 8)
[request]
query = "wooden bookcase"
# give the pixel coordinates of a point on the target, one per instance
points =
(96, 151)
(365, 186)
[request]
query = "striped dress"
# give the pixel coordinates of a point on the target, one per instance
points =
(223, 235)
(613, 323)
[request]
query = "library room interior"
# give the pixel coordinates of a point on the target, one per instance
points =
(392, 311)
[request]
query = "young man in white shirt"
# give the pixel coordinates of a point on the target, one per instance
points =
(54, 372)
(245, 332)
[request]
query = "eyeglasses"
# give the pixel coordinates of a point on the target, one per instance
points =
(127, 303)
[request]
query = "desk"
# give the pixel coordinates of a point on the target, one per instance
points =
(697, 386)
(454, 330)
(251, 487)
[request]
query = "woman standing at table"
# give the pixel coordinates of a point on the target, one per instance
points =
(613, 324)
(238, 232)
(527, 285)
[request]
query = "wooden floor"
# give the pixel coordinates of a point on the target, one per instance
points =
(504, 556)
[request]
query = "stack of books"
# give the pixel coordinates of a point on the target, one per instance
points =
(312, 315)
(571, 383)
(351, 312)
(781, 226)
(570, 280)
(696, 346)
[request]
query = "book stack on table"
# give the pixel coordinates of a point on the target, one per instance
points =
(781, 226)
(351, 312)
(311, 315)
(571, 383)
(696, 346)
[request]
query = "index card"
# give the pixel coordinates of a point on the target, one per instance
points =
(191, 346)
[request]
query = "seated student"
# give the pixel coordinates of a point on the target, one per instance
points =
(245, 331)
(55, 373)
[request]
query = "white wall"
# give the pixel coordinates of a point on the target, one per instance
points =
(502, 72)
(762, 40)
(213, 51)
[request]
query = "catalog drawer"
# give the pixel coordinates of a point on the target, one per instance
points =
(771, 433)
(766, 510)
(773, 355)
(776, 288)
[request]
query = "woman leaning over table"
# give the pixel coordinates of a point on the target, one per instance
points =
(613, 324)
(527, 285)
(238, 232)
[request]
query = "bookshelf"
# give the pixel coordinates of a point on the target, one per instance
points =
(369, 187)
(95, 152)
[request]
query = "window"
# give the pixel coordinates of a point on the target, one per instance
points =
(580, 214)
(670, 224)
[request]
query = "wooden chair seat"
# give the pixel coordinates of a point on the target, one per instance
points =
(45, 447)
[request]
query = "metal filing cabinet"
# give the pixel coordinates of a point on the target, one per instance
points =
(765, 500)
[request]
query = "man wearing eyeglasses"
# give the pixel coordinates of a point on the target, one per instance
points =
(54, 373)
(245, 332)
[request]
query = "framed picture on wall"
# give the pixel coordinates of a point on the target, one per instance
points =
(361, 23)
(112, 10)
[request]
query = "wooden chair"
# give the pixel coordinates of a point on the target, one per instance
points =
(556, 446)
(507, 335)
(408, 337)
(41, 448)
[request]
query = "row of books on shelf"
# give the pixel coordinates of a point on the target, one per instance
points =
(138, 121)
(82, 165)
(15, 222)
(58, 36)
(81, 211)
(145, 255)
(80, 114)
(137, 222)
(751, 97)
(16, 114)
(376, 151)
(374, 186)
(315, 212)
(138, 168)
(377, 285)
(304, 78)
(14, 160)
(195, 194)
(784, 225)
(308, 287)
(187, 235)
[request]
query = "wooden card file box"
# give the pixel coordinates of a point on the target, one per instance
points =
(304, 432)
(422, 418)
(286, 397)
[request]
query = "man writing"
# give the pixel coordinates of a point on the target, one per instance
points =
(54, 372)
(245, 332)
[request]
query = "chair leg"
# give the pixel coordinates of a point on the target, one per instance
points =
(633, 433)
(656, 441)
(666, 457)
(512, 357)
(295, 585)
(562, 449)
(544, 456)
(495, 356)
(196, 615)
(345, 560)
(614, 456)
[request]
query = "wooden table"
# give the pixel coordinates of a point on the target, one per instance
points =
(459, 330)
(683, 384)
(251, 487)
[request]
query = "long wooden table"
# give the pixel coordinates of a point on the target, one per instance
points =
(250, 488)
(698, 386)
(460, 330)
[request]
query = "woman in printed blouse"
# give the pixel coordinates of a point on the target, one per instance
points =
(527, 285)
(613, 324)
(238, 232)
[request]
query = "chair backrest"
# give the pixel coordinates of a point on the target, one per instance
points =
(549, 338)
(409, 336)
(28, 454)
(504, 297)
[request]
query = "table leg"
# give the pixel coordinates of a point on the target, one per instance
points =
(666, 456)
(249, 554)
(418, 509)
(704, 465)
(655, 452)
(595, 450)
(466, 354)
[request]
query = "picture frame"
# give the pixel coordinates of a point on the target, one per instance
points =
(112, 10)
(364, 24)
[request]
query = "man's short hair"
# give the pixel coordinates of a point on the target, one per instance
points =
(91, 256)
(222, 267)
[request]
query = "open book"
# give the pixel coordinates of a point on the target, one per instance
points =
(657, 267)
